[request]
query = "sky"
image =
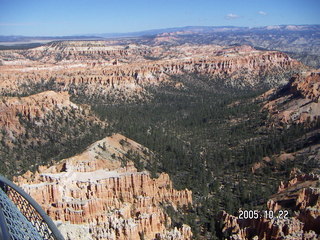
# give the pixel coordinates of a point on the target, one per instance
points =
(76, 17)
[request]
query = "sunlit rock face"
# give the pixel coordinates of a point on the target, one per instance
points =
(298, 102)
(33, 107)
(124, 72)
(301, 195)
(101, 195)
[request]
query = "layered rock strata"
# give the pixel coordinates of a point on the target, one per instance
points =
(32, 107)
(302, 195)
(103, 70)
(22, 117)
(100, 194)
(297, 102)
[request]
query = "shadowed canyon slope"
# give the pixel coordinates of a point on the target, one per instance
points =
(99, 194)
(298, 101)
(295, 103)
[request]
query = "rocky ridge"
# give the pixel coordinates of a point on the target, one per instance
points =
(92, 68)
(101, 195)
(302, 195)
(32, 107)
(293, 104)
(40, 110)
(298, 101)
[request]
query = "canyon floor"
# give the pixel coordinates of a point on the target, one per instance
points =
(163, 139)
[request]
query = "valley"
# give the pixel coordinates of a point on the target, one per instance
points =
(137, 139)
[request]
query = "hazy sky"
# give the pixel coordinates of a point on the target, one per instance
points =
(69, 17)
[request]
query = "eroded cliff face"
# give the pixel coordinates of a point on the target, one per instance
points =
(297, 102)
(99, 194)
(22, 117)
(302, 195)
(124, 72)
(31, 107)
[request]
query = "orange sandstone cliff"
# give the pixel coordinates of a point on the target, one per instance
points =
(31, 107)
(33, 119)
(124, 72)
(302, 195)
(298, 101)
(295, 103)
(99, 194)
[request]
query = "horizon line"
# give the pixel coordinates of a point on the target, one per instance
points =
(154, 29)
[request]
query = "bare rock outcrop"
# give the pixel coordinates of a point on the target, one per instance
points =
(96, 69)
(101, 194)
(31, 107)
(301, 195)
(298, 102)
(34, 119)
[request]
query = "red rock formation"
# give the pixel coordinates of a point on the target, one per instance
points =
(298, 101)
(111, 201)
(73, 64)
(302, 195)
(308, 85)
(31, 107)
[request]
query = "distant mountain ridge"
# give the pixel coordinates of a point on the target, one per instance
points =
(299, 41)
(151, 32)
